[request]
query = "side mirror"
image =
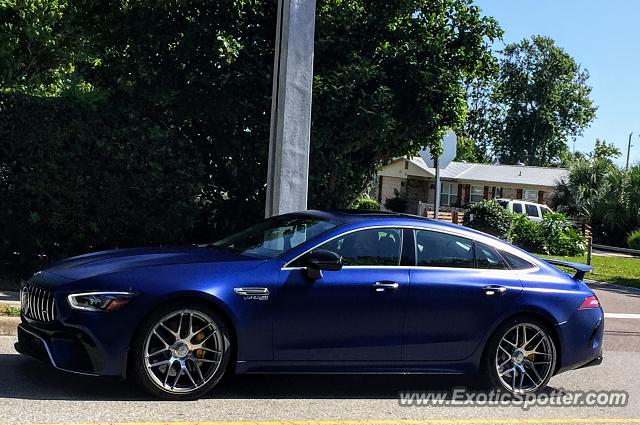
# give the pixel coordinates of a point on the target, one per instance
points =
(321, 259)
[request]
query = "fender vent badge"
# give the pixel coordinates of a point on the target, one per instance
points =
(258, 294)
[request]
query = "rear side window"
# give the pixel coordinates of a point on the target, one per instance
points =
(434, 249)
(488, 258)
(515, 262)
(532, 210)
(517, 208)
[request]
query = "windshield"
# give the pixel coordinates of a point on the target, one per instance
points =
(275, 235)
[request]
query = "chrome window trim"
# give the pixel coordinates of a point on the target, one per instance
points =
(533, 267)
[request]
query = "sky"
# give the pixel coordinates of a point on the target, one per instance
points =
(604, 37)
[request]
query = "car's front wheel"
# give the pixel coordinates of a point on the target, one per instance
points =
(521, 356)
(181, 351)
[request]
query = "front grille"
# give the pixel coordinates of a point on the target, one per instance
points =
(37, 303)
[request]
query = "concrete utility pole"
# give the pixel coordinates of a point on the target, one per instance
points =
(628, 150)
(288, 172)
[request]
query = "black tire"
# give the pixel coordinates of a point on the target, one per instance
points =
(490, 361)
(143, 376)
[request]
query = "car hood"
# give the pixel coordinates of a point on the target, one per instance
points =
(119, 260)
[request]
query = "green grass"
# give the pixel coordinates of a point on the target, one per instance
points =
(7, 310)
(618, 270)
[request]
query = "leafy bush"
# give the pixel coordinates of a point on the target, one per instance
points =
(396, 204)
(559, 237)
(366, 204)
(77, 182)
(634, 239)
(527, 234)
(490, 217)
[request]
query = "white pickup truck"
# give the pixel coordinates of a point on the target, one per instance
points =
(533, 211)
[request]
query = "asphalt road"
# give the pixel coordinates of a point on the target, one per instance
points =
(32, 392)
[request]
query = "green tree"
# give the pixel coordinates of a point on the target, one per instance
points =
(603, 195)
(388, 82)
(478, 130)
(40, 46)
(181, 91)
(544, 100)
(605, 150)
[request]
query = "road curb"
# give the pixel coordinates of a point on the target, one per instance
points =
(8, 325)
(604, 284)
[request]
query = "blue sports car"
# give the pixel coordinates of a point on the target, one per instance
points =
(314, 292)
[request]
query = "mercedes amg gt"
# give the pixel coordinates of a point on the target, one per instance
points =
(315, 292)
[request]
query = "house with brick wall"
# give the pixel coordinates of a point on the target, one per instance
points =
(465, 183)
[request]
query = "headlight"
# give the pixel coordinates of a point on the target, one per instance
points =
(99, 301)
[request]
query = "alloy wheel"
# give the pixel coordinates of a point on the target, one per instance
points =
(183, 351)
(525, 358)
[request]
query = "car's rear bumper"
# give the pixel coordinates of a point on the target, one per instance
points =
(581, 340)
(594, 362)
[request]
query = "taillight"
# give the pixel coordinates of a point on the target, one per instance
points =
(590, 302)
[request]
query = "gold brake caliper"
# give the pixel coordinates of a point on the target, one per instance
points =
(199, 353)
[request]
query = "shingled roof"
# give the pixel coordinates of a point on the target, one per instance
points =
(497, 173)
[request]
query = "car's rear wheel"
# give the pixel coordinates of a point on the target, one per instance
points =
(521, 356)
(181, 351)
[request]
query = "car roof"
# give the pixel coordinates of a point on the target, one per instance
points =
(360, 215)
(393, 218)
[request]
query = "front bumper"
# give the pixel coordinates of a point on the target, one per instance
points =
(40, 347)
(81, 342)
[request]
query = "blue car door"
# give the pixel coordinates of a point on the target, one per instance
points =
(354, 314)
(458, 290)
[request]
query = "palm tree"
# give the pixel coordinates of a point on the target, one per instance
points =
(603, 195)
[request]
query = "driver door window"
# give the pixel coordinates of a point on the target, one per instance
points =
(371, 247)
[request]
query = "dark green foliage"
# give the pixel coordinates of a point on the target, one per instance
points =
(388, 81)
(545, 100)
(490, 217)
(76, 182)
(39, 45)
(604, 196)
(527, 234)
(397, 203)
(366, 204)
(559, 237)
(527, 110)
(633, 241)
(553, 236)
(148, 122)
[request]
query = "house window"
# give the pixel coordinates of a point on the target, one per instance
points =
(530, 195)
(477, 194)
(449, 194)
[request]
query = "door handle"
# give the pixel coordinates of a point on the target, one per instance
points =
(492, 290)
(385, 285)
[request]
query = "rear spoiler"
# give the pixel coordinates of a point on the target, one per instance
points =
(581, 269)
